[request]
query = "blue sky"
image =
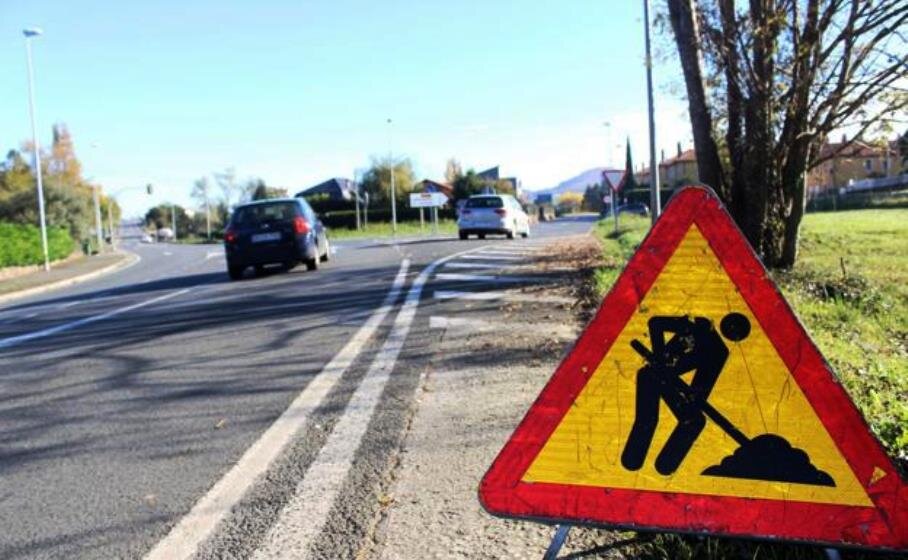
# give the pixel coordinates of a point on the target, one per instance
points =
(297, 92)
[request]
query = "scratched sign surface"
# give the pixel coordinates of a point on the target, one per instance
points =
(696, 402)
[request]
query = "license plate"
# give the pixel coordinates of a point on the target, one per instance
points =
(263, 237)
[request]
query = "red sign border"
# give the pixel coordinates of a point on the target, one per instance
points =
(502, 493)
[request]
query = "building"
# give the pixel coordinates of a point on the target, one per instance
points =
(428, 185)
(492, 177)
(844, 162)
(337, 188)
(674, 171)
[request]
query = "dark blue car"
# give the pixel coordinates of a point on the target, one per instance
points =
(278, 231)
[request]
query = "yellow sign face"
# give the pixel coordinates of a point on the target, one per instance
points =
(632, 428)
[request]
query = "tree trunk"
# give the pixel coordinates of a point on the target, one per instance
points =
(793, 225)
(684, 23)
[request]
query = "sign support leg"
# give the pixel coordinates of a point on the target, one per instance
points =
(561, 534)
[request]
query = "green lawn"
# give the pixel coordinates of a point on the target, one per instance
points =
(383, 229)
(850, 289)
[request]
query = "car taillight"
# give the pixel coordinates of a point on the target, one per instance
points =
(501, 212)
(230, 236)
(300, 225)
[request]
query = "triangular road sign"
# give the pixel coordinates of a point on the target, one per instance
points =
(696, 402)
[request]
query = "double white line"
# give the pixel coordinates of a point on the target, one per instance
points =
(307, 511)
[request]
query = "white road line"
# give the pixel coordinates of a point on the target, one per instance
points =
(507, 296)
(212, 254)
(484, 257)
(304, 516)
(168, 254)
(468, 325)
(485, 278)
(196, 526)
(439, 322)
(13, 340)
(470, 265)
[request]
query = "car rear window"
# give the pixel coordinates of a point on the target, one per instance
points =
(485, 202)
(260, 213)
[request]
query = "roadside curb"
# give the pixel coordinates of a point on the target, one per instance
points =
(129, 260)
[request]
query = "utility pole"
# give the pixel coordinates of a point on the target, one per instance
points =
(173, 219)
(207, 213)
(655, 205)
(98, 227)
(29, 33)
(393, 191)
(113, 240)
(356, 200)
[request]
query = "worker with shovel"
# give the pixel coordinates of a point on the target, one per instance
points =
(680, 344)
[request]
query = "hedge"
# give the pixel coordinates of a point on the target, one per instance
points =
(20, 244)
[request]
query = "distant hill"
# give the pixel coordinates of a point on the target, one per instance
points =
(577, 183)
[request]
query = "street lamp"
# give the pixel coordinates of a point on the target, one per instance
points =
(393, 191)
(29, 33)
(654, 203)
(97, 201)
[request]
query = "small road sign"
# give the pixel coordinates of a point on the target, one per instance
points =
(427, 200)
(696, 402)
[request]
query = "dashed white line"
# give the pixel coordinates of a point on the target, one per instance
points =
(499, 295)
(484, 257)
(485, 278)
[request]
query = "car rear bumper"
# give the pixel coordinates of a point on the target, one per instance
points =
(270, 254)
(478, 230)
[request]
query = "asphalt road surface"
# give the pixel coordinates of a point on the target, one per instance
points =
(163, 411)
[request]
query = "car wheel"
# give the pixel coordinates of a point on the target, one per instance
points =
(312, 264)
(463, 236)
(510, 234)
(289, 265)
(235, 272)
(259, 269)
(526, 232)
(481, 235)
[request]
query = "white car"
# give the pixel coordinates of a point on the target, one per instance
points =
(493, 213)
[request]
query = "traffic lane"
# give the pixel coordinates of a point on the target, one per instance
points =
(109, 439)
(153, 266)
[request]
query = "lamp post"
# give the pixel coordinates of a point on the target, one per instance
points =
(393, 191)
(96, 195)
(654, 203)
(29, 34)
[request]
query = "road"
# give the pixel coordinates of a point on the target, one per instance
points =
(132, 399)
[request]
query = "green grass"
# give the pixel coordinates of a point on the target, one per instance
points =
(850, 289)
(383, 229)
(20, 244)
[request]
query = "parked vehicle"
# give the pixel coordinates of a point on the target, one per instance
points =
(276, 231)
(493, 213)
(637, 208)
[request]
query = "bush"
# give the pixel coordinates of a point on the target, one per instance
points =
(21, 244)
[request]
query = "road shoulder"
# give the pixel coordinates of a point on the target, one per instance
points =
(484, 374)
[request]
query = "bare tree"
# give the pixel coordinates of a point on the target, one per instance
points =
(768, 82)
(453, 170)
(200, 192)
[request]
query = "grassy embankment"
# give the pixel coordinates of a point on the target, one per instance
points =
(850, 289)
(404, 229)
(20, 245)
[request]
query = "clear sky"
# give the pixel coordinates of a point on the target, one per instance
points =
(298, 92)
